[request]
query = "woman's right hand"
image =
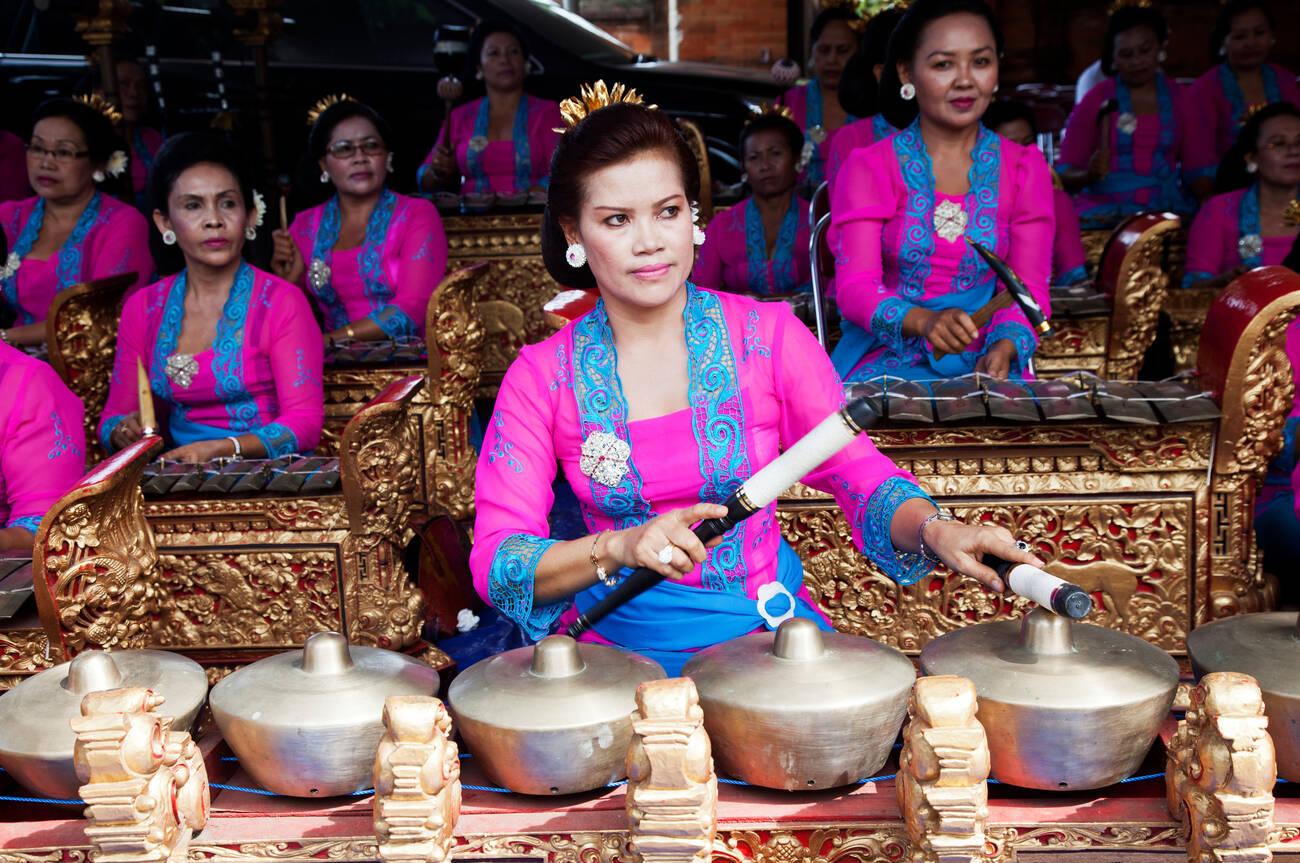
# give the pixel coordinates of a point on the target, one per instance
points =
(127, 432)
(286, 260)
(949, 330)
(640, 546)
(444, 162)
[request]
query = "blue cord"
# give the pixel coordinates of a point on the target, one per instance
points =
(6, 798)
(262, 791)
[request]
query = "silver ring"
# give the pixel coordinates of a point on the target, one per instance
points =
(666, 554)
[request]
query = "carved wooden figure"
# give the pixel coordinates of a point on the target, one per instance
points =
(146, 788)
(943, 772)
(672, 791)
(417, 782)
(1221, 772)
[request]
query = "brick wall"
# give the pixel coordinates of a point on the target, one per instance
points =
(735, 32)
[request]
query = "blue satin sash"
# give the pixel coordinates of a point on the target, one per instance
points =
(670, 621)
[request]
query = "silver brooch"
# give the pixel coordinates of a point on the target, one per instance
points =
(604, 458)
(817, 134)
(318, 275)
(1250, 246)
(1127, 123)
(11, 266)
(949, 221)
(181, 369)
(478, 143)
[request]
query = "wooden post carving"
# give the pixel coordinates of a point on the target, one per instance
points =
(146, 788)
(1221, 772)
(417, 782)
(672, 791)
(943, 772)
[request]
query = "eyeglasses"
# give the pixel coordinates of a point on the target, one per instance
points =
(62, 155)
(348, 149)
(1281, 145)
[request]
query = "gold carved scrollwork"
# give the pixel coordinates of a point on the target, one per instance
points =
(457, 337)
(95, 565)
(1074, 345)
(1221, 771)
(81, 334)
(1187, 308)
(1134, 554)
(1141, 289)
(885, 843)
(1094, 243)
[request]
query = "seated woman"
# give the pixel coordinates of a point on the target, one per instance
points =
(760, 246)
(145, 141)
(904, 208)
(1221, 99)
(42, 445)
(1015, 122)
(860, 93)
(70, 232)
(233, 354)
(656, 405)
(376, 257)
(502, 142)
(815, 106)
(1250, 224)
(1127, 146)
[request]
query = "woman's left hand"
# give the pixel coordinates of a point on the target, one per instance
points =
(961, 546)
(201, 451)
(996, 362)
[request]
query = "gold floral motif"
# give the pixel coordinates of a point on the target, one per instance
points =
(1074, 345)
(1187, 309)
(81, 334)
(860, 844)
(1134, 553)
(474, 238)
(1140, 293)
(1094, 243)
(23, 651)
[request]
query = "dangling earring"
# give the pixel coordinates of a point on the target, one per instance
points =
(98, 176)
(1251, 167)
(478, 76)
(389, 163)
(1162, 56)
(697, 233)
(324, 176)
(744, 178)
(997, 87)
(250, 233)
(575, 255)
(907, 91)
(169, 238)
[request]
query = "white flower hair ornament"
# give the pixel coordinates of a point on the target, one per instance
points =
(698, 236)
(259, 215)
(116, 163)
(806, 155)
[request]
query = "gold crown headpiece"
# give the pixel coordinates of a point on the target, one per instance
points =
(313, 113)
(1136, 4)
(592, 97)
(97, 102)
(769, 109)
(1291, 216)
(1252, 110)
(868, 9)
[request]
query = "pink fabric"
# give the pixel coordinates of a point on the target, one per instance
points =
(1293, 354)
(787, 386)
(869, 204)
(282, 361)
(854, 136)
(723, 260)
(13, 168)
(1067, 246)
(1212, 114)
(153, 141)
(498, 158)
(414, 259)
(1082, 140)
(796, 99)
(42, 438)
(118, 242)
(1212, 241)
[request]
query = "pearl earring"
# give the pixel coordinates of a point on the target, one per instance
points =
(324, 176)
(250, 233)
(98, 176)
(1251, 167)
(389, 163)
(169, 238)
(1162, 56)
(575, 255)
(697, 233)
(907, 91)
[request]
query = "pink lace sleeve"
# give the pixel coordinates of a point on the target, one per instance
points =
(43, 445)
(132, 344)
(862, 201)
(1033, 224)
(292, 343)
(1081, 133)
(122, 246)
(421, 262)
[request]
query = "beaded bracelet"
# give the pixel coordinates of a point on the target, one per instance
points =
(937, 515)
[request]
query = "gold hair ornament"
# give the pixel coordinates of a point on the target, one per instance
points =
(313, 113)
(868, 9)
(1136, 4)
(97, 102)
(592, 97)
(769, 109)
(1252, 110)
(1291, 216)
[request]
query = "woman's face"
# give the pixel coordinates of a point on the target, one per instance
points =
(502, 62)
(636, 226)
(1017, 130)
(132, 91)
(206, 210)
(955, 70)
(770, 163)
(1137, 56)
(356, 158)
(1250, 39)
(58, 166)
(831, 51)
(1278, 151)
